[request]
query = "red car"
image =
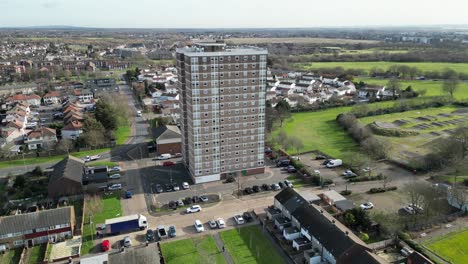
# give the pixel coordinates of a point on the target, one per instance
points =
(168, 163)
(105, 245)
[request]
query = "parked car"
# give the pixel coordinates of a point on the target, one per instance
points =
(128, 194)
(247, 216)
(334, 163)
(127, 242)
(115, 176)
(150, 235)
(203, 198)
(212, 224)
(275, 187)
(408, 209)
(195, 199)
(266, 187)
(367, 206)
(248, 190)
(172, 205)
(283, 163)
(164, 157)
(168, 187)
(349, 174)
(239, 219)
(105, 245)
(220, 222)
(288, 183)
(180, 202)
(176, 187)
(114, 187)
(295, 158)
(366, 169)
(256, 189)
(178, 155)
(114, 169)
(281, 185)
(199, 226)
(185, 185)
(320, 157)
(168, 163)
(188, 200)
(291, 169)
(325, 162)
(171, 231)
(193, 209)
(158, 188)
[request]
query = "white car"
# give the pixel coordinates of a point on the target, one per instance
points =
(220, 222)
(176, 187)
(367, 206)
(116, 168)
(203, 198)
(193, 209)
(199, 226)
(317, 172)
(127, 242)
(408, 209)
(239, 219)
(212, 224)
(115, 186)
(185, 185)
(115, 176)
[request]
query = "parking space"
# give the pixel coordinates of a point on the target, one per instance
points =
(313, 164)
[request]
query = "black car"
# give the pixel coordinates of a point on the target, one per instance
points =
(158, 188)
(255, 188)
(173, 205)
(292, 169)
(150, 235)
(195, 199)
(266, 187)
(248, 216)
(281, 185)
(168, 187)
(188, 200)
(283, 163)
(320, 157)
(325, 162)
(248, 190)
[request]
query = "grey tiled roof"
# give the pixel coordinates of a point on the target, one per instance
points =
(70, 168)
(30, 221)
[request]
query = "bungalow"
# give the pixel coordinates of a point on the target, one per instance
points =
(40, 138)
(53, 97)
(72, 130)
(66, 179)
(27, 230)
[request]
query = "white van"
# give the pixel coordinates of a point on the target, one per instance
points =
(164, 156)
(334, 163)
(138, 113)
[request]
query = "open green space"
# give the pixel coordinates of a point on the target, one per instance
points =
(37, 254)
(28, 161)
(249, 245)
(122, 133)
(432, 88)
(319, 131)
(103, 163)
(368, 65)
(196, 250)
(452, 246)
(110, 208)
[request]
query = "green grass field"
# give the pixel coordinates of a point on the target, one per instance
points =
(432, 88)
(111, 208)
(37, 254)
(249, 245)
(452, 247)
(197, 250)
(319, 131)
(11, 257)
(366, 66)
(103, 163)
(122, 134)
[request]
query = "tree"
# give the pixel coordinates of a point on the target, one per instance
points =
(94, 134)
(19, 182)
(296, 144)
(283, 110)
(349, 219)
(394, 85)
(270, 115)
(65, 145)
(460, 135)
(106, 115)
(390, 224)
(450, 85)
(459, 197)
(38, 171)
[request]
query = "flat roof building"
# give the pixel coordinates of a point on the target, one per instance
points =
(222, 93)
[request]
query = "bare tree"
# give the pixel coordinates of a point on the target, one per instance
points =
(65, 145)
(296, 144)
(394, 85)
(450, 85)
(459, 197)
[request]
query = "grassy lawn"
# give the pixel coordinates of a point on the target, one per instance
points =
(297, 182)
(11, 257)
(37, 254)
(451, 247)
(432, 88)
(122, 134)
(29, 161)
(197, 250)
(249, 245)
(319, 131)
(85, 153)
(366, 66)
(103, 163)
(111, 208)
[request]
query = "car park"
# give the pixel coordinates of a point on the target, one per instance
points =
(168, 163)
(275, 187)
(185, 185)
(172, 231)
(203, 198)
(150, 235)
(320, 157)
(239, 219)
(247, 216)
(199, 226)
(212, 224)
(127, 242)
(194, 209)
(115, 176)
(105, 245)
(114, 187)
(114, 169)
(220, 223)
(158, 188)
(367, 206)
(256, 189)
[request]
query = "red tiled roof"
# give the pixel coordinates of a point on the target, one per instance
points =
(74, 125)
(43, 131)
(53, 94)
(22, 97)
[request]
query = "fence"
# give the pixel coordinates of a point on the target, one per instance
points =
(382, 244)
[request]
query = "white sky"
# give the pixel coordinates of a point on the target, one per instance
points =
(232, 13)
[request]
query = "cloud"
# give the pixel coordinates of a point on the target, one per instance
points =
(50, 4)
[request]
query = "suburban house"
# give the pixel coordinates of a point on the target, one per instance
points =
(84, 95)
(324, 238)
(40, 138)
(66, 179)
(31, 99)
(53, 97)
(168, 140)
(27, 230)
(72, 130)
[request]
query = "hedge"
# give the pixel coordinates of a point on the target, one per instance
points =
(381, 190)
(391, 132)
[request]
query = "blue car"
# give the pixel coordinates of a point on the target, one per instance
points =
(128, 194)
